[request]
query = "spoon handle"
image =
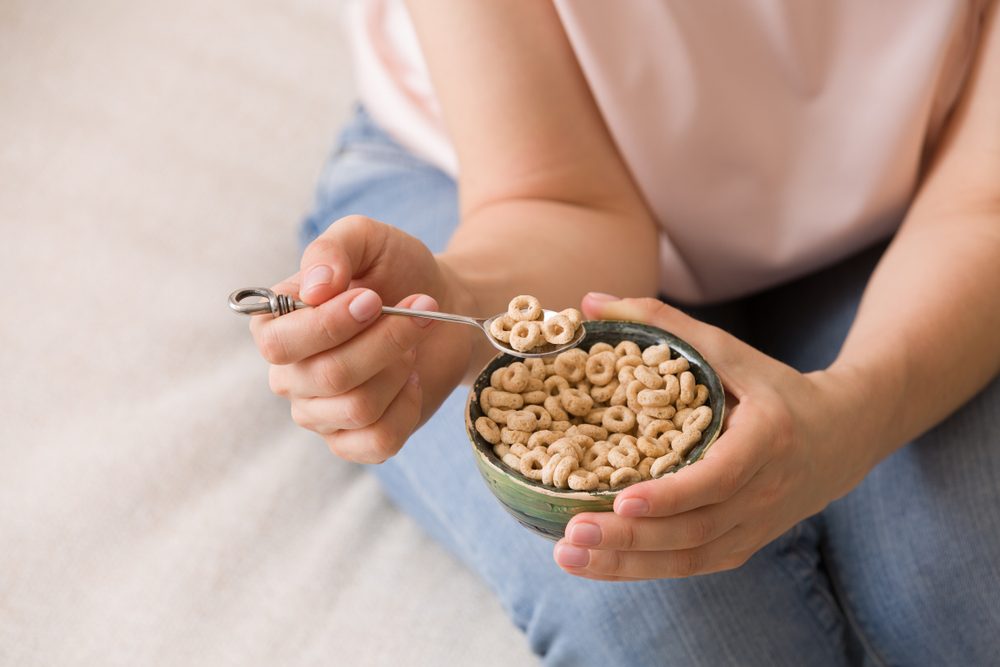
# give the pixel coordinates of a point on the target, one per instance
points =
(280, 304)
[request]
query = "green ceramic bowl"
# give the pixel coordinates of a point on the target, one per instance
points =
(546, 509)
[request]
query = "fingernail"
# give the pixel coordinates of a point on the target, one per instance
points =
(423, 302)
(632, 507)
(570, 556)
(365, 306)
(414, 379)
(602, 297)
(321, 274)
(586, 534)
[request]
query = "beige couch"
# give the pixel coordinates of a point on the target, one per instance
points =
(157, 505)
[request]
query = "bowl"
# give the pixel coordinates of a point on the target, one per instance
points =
(545, 509)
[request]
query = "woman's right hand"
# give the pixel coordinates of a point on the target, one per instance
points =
(363, 381)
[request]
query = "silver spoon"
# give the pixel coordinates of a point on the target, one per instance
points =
(281, 304)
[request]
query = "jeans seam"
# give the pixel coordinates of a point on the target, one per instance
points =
(866, 645)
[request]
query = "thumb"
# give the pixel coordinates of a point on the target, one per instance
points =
(345, 250)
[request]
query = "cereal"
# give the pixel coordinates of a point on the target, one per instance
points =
(593, 421)
(573, 315)
(558, 330)
(523, 308)
(525, 336)
(525, 328)
(500, 328)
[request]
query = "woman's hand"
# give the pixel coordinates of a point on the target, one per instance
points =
(793, 443)
(361, 380)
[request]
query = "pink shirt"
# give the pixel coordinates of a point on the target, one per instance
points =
(769, 137)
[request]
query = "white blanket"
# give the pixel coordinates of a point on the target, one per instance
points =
(157, 504)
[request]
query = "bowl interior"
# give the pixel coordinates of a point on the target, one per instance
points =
(611, 332)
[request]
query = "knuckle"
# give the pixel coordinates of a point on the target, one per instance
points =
(272, 346)
(333, 374)
(360, 411)
(382, 445)
(611, 562)
(277, 381)
(700, 530)
(625, 536)
(397, 340)
(687, 563)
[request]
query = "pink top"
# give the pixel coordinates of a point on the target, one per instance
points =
(769, 137)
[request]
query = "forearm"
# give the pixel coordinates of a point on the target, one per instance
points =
(553, 250)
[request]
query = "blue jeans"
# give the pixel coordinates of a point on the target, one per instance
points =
(902, 571)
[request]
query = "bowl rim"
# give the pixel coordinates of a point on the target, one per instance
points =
(694, 357)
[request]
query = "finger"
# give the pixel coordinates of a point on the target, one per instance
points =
(307, 332)
(727, 467)
(729, 551)
(727, 354)
(376, 443)
(358, 408)
(390, 339)
(606, 530)
(348, 248)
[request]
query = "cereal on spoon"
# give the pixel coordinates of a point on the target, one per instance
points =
(524, 329)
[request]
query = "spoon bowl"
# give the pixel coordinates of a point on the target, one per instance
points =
(266, 301)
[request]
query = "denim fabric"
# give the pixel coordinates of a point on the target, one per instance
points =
(902, 571)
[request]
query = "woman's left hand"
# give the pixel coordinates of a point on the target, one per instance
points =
(793, 442)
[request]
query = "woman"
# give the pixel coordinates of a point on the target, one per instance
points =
(749, 161)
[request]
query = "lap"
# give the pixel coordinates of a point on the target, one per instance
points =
(920, 529)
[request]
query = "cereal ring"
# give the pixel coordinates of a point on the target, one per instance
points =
(673, 366)
(643, 467)
(664, 463)
(524, 307)
(572, 364)
(664, 412)
(687, 387)
(649, 447)
(682, 415)
(522, 420)
(600, 368)
(559, 465)
(700, 396)
(595, 457)
(628, 348)
(560, 426)
(626, 374)
(595, 433)
(595, 416)
(542, 416)
(531, 464)
(500, 328)
(698, 420)
(673, 386)
(603, 394)
(501, 450)
(583, 386)
(496, 378)
(657, 427)
(615, 438)
(573, 315)
(536, 367)
(513, 436)
(655, 355)
(576, 402)
(543, 438)
(515, 378)
(525, 336)
(653, 398)
(550, 369)
(582, 441)
(667, 438)
(597, 348)
(648, 377)
(519, 449)
(620, 396)
(484, 398)
(488, 428)
(582, 480)
(624, 477)
(506, 400)
(642, 421)
(624, 455)
(632, 395)
(683, 443)
(498, 415)
(618, 419)
(604, 473)
(555, 385)
(628, 360)
(558, 330)
(566, 447)
(554, 407)
(534, 397)
(512, 461)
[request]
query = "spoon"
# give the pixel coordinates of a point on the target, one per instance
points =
(282, 304)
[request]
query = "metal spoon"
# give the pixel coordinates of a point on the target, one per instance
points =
(281, 304)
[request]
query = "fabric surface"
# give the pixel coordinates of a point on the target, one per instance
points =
(157, 504)
(807, 122)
